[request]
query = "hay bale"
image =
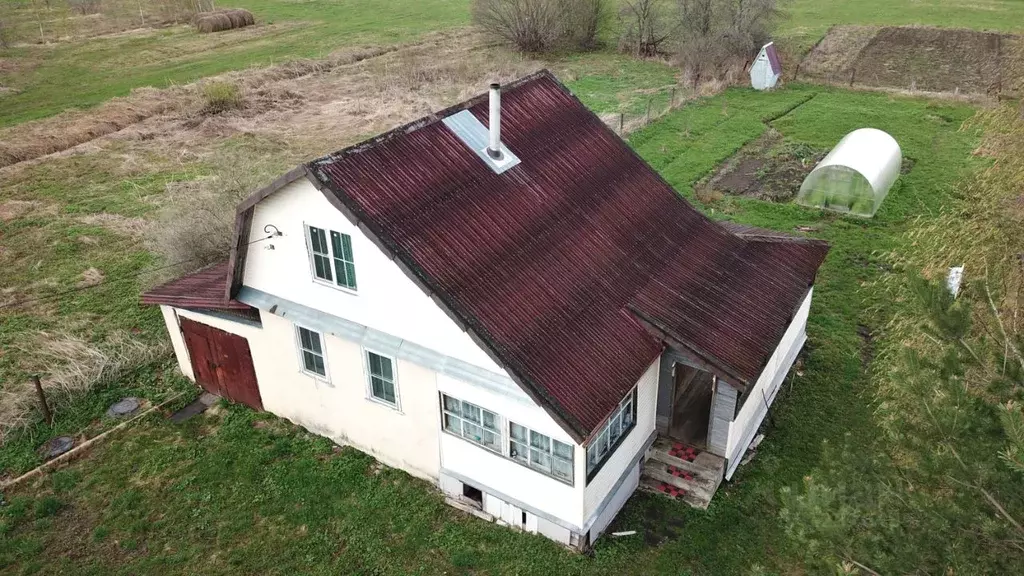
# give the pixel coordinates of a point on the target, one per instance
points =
(224, 19)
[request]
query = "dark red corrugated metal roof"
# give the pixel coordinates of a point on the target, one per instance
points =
(201, 289)
(545, 262)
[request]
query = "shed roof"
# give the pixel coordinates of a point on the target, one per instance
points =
(203, 288)
(773, 57)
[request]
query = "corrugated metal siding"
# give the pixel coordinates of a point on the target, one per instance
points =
(542, 262)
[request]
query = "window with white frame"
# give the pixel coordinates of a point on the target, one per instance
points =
(381, 372)
(540, 452)
(332, 262)
(312, 351)
(611, 435)
(471, 422)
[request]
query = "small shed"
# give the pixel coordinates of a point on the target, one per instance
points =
(856, 175)
(766, 69)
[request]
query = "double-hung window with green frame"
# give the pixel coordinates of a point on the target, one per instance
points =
(312, 350)
(332, 262)
(382, 378)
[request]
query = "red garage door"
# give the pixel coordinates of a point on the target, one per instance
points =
(222, 363)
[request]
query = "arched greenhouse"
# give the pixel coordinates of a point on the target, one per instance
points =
(856, 175)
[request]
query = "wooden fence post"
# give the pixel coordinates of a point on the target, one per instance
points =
(43, 407)
(622, 116)
(648, 120)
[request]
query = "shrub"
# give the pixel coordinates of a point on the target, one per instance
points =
(542, 25)
(645, 27)
(220, 96)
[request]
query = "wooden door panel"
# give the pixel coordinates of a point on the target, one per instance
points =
(201, 355)
(222, 363)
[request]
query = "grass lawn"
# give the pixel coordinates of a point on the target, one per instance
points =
(809, 19)
(239, 492)
(101, 68)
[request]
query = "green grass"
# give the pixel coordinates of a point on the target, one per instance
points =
(101, 68)
(807, 20)
(226, 495)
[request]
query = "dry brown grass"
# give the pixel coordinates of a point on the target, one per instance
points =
(122, 225)
(293, 113)
(12, 209)
(72, 365)
(90, 277)
(35, 139)
(833, 57)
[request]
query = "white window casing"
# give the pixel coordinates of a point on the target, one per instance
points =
(312, 354)
(381, 378)
(472, 423)
(618, 426)
(495, 433)
(541, 452)
(331, 260)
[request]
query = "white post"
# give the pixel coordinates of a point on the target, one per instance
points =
(494, 148)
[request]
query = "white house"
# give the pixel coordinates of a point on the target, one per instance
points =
(521, 312)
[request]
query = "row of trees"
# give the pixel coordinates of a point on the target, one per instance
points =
(705, 36)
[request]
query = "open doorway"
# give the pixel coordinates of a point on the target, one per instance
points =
(691, 405)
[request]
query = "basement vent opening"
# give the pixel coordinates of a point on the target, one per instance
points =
(473, 495)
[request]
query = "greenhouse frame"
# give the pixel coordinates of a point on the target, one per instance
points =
(855, 177)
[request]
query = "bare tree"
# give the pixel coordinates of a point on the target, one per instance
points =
(698, 45)
(645, 27)
(542, 25)
(716, 35)
(581, 22)
(529, 25)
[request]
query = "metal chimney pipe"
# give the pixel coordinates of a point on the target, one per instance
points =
(494, 148)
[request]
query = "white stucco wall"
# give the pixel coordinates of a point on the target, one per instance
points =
(501, 474)
(762, 395)
(618, 500)
(177, 341)
(606, 478)
(386, 299)
(339, 409)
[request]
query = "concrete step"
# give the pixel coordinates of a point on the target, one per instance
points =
(665, 458)
(697, 484)
(693, 499)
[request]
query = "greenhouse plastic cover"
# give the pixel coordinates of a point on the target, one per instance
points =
(856, 175)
